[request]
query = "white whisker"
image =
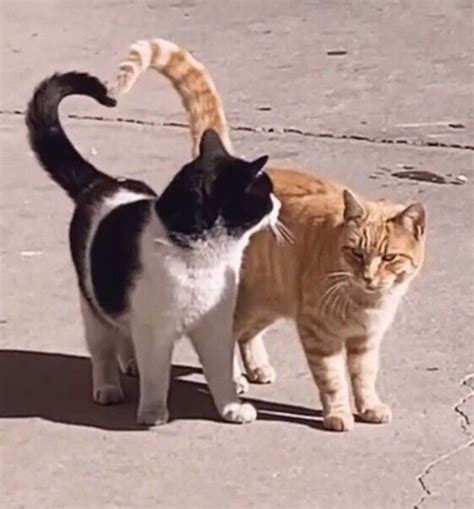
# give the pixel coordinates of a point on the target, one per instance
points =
(277, 233)
(331, 293)
(281, 232)
(286, 233)
(337, 274)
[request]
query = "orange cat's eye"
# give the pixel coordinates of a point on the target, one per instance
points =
(388, 257)
(357, 253)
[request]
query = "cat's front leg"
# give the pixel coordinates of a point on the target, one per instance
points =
(325, 356)
(215, 346)
(153, 348)
(363, 365)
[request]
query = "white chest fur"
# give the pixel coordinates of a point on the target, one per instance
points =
(179, 286)
(374, 321)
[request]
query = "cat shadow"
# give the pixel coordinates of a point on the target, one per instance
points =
(57, 388)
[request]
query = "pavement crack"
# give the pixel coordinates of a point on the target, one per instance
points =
(464, 422)
(421, 478)
(271, 130)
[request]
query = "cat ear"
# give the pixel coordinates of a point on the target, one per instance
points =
(257, 166)
(413, 218)
(353, 209)
(211, 144)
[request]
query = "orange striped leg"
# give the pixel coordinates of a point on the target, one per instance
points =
(327, 363)
(254, 354)
(363, 364)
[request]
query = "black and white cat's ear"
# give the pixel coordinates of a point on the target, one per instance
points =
(211, 144)
(257, 166)
(353, 209)
(413, 218)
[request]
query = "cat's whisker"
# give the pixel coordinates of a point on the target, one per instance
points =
(162, 241)
(278, 235)
(337, 299)
(330, 290)
(285, 231)
(345, 309)
(330, 294)
(338, 274)
(334, 305)
(281, 232)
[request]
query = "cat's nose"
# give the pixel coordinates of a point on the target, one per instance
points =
(369, 282)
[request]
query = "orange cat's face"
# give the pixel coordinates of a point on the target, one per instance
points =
(381, 247)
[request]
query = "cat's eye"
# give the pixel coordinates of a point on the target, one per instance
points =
(388, 257)
(357, 252)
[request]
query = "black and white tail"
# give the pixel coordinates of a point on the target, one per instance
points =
(47, 138)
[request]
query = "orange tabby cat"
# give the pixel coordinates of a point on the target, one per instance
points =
(342, 278)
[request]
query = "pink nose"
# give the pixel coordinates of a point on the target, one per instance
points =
(369, 282)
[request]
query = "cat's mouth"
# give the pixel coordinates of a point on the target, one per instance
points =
(371, 288)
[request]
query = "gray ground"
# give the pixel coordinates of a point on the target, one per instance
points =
(383, 107)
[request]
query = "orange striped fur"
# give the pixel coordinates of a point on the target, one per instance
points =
(189, 77)
(340, 281)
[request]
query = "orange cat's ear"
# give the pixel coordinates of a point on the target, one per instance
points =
(413, 218)
(353, 209)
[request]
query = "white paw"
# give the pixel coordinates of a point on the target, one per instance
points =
(108, 394)
(129, 368)
(239, 413)
(262, 375)
(241, 385)
(154, 416)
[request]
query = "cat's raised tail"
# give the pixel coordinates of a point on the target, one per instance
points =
(189, 77)
(48, 140)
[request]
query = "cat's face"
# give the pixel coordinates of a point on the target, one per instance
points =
(220, 192)
(243, 195)
(382, 246)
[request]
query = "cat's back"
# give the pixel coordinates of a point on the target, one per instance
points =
(306, 195)
(272, 270)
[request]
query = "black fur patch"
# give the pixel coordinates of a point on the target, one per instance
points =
(87, 203)
(115, 255)
(215, 186)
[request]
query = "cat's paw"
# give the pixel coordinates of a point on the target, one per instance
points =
(153, 416)
(339, 422)
(240, 413)
(129, 368)
(241, 385)
(108, 394)
(262, 375)
(378, 414)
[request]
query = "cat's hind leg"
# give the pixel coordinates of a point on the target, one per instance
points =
(254, 353)
(126, 356)
(102, 343)
(240, 381)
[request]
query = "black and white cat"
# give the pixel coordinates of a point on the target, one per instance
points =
(152, 269)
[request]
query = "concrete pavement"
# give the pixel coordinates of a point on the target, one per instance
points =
(396, 97)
